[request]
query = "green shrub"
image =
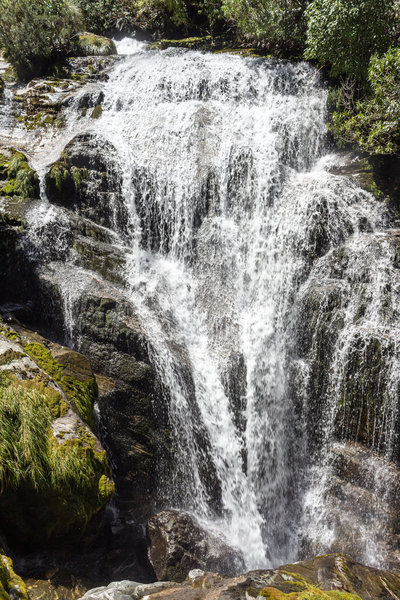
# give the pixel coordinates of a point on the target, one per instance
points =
(33, 34)
(346, 33)
(106, 15)
(374, 123)
(271, 21)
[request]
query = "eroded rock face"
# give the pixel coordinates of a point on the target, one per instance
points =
(329, 577)
(179, 544)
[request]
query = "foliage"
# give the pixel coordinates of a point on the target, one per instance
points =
(346, 33)
(281, 21)
(105, 15)
(374, 123)
(32, 34)
(64, 483)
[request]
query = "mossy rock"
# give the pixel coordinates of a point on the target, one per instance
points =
(17, 178)
(2, 86)
(97, 112)
(54, 474)
(309, 593)
(206, 42)
(11, 585)
(89, 44)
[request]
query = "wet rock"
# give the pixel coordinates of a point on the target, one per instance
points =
(363, 494)
(88, 180)
(179, 544)
(11, 585)
(111, 336)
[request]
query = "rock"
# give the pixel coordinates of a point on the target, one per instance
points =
(89, 44)
(58, 586)
(11, 585)
(128, 590)
(362, 494)
(55, 476)
(88, 180)
(179, 544)
(329, 577)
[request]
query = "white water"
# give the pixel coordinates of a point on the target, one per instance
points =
(235, 223)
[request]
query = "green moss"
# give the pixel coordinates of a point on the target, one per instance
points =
(89, 44)
(9, 356)
(60, 174)
(10, 334)
(11, 585)
(97, 112)
(21, 180)
(311, 593)
(106, 487)
(82, 393)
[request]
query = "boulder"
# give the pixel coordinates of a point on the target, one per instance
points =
(329, 577)
(87, 179)
(90, 44)
(179, 544)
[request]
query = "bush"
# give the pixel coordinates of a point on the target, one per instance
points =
(33, 34)
(374, 124)
(278, 22)
(161, 16)
(346, 33)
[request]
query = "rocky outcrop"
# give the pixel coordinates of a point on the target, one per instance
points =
(11, 585)
(179, 544)
(329, 577)
(54, 472)
(87, 179)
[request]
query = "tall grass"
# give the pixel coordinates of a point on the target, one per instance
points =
(65, 476)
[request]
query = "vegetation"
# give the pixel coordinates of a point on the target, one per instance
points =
(34, 34)
(279, 23)
(344, 34)
(64, 483)
(373, 123)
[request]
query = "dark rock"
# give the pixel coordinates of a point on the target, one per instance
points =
(88, 180)
(179, 544)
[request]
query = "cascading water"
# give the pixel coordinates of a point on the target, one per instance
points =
(259, 279)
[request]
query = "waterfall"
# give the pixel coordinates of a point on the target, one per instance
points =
(261, 279)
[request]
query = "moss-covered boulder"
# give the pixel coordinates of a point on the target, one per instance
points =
(54, 474)
(17, 178)
(87, 179)
(89, 44)
(11, 585)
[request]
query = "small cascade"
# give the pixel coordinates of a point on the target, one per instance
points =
(266, 286)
